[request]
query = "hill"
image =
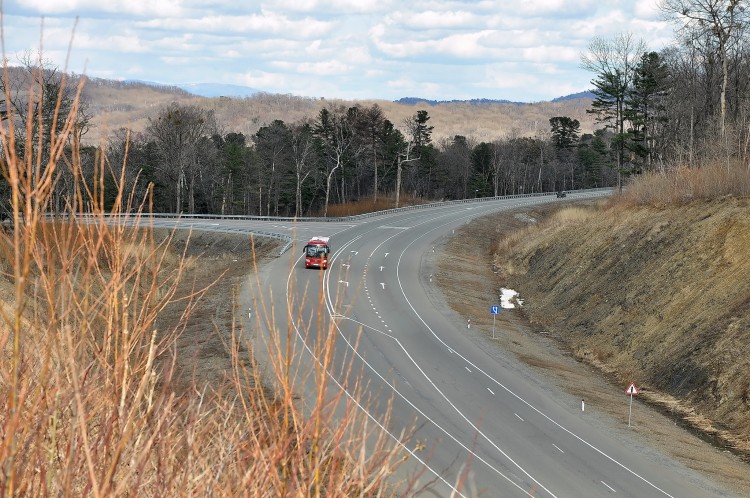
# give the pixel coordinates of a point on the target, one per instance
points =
(115, 105)
(653, 295)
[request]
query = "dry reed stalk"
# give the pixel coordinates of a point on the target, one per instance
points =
(88, 406)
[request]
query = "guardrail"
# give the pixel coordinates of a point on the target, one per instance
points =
(289, 240)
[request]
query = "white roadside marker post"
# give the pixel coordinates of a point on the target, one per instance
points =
(631, 390)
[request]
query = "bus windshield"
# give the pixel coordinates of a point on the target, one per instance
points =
(317, 251)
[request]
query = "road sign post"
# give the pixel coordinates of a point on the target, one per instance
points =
(631, 390)
(495, 310)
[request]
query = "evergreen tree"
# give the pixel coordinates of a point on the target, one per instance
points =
(645, 105)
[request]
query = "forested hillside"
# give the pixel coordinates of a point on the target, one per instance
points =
(284, 155)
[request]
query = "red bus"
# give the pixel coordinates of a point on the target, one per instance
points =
(317, 252)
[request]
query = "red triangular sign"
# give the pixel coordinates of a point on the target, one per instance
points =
(632, 389)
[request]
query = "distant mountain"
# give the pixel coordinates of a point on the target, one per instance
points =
(218, 89)
(573, 96)
(202, 89)
(417, 100)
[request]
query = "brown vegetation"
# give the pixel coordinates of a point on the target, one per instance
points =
(652, 287)
(92, 400)
(131, 105)
(469, 282)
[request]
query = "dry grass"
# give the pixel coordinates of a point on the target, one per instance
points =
(651, 288)
(86, 382)
(681, 185)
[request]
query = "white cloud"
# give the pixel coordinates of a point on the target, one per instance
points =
(86, 7)
(249, 24)
(338, 48)
(330, 6)
(647, 9)
(432, 19)
(550, 54)
(262, 80)
(124, 43)
(323, 68)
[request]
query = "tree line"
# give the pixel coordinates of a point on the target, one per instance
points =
(684, 104)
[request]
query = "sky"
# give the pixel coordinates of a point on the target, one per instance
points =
(519, 50)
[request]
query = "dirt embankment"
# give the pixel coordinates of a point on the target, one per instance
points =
(659, 297)
(219, 261)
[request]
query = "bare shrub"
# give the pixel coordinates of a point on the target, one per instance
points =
(86, 399)
(682, 184)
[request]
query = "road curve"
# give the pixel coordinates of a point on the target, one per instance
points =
(479, 425)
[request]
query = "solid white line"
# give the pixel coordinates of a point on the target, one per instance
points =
(556, 446)
(490, 390)
(467, 369)
(519, 417)
(610, 487)
(509, 391)
(329, 305)
(359, 405)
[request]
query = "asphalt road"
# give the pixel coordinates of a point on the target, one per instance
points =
(478, 426)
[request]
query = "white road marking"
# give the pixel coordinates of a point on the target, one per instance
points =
(467, 369)
(519, 417)
(558, 448)
(509, 391)
(610, 487)
(490, 390)
(448, 434)
(382, 284)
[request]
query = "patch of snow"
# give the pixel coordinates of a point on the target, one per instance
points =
(525, 218)
(509, 298)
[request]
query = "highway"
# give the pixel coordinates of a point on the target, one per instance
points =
(479, 424)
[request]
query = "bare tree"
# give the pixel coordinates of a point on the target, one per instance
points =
(302, 154)
(177, 131)
(721, 19)
(334, 132)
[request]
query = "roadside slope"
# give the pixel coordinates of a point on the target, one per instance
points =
(652, 296)
(657, 296)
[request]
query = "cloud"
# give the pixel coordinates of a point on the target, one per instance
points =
(433, 19)
(330, 7)
(338, 48)
(322, 68)
(265, 23)
(124, 43)
(261, 80)
(142, 8)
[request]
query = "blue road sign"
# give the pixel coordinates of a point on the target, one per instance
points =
(495, 310)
